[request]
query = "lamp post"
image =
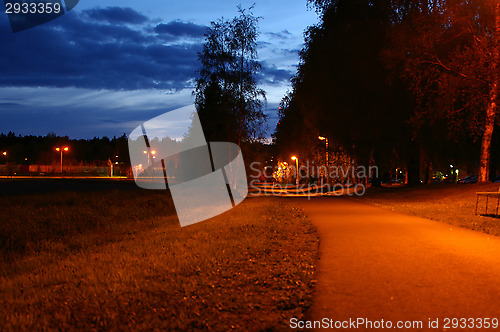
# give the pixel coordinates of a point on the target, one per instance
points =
(61, 149)
(153, 152)
(297, 168)
(322, 138)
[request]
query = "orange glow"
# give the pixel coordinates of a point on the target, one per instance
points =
(294, 158)
(321, 138)
(5, 153)
(153, 152)
(66, 149)
(57, 149)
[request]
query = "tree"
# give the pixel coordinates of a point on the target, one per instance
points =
(228, 100)
(342, 89)
(449, 53)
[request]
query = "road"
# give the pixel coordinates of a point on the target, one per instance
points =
(377, 264)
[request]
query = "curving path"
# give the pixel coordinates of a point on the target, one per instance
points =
(377, 264)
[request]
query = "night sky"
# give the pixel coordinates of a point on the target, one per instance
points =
(106, 66)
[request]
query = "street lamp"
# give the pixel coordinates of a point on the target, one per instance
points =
(61, 149)
(297, 168)
(321, 138)
(153, 152)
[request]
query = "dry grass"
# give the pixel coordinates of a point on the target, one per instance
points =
(453, 204)
(251, 268)
(30, 223)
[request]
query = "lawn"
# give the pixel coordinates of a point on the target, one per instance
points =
(119, 260)
(452, 204)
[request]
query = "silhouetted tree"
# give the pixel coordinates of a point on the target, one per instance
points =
(228, 100)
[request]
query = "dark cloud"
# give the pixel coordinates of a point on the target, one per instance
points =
(109, 48)
(9, 105)
(283, 35)
(116, 15)
(288, 52)
(274, 76)
(180, 29)
(76, 50)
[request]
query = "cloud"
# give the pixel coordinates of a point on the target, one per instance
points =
(272, 75)
(283, 35)
(83, 113)
(116, 15)
(91, 51)
(180, 29)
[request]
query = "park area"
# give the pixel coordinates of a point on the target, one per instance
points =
(116, 258)
(448, 203)
(106, 255)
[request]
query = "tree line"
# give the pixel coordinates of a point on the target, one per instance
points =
(408, 84)
(41, 150)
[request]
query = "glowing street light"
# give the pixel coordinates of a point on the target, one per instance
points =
(153, 152)
(297, 168)
(321, 138)
(61, 149)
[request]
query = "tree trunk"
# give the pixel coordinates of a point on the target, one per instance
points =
(491, 110)
(484, 163)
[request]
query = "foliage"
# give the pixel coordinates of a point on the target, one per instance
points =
(401, 84)
(449, 53)
(341, 89)
(227, 97)
(41, 149)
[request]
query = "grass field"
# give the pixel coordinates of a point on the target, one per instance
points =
(452, 204)
(120, 261)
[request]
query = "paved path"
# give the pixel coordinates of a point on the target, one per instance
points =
(378, 264)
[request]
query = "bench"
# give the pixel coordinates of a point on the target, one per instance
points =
(488, 195)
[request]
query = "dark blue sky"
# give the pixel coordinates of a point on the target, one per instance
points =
(101, 71)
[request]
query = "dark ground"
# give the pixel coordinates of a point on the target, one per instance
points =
(22, 186)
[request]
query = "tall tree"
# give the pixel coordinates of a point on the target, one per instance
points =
(228, 99)
(449, 53)
(342, 90)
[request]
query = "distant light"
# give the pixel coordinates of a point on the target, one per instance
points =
(451, 166)
(58, 149)
(116, 163)
(145, 152)
(294, 158)
(153, 152)
(66, 149)
(4, 153)
(321, 138)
